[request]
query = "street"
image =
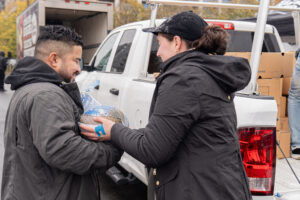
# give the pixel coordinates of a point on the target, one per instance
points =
(109, 190)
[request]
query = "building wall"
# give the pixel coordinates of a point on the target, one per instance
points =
(2, 3)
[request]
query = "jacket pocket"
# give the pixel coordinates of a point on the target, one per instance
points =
(233, 184)
(166, 174)
(164, 177)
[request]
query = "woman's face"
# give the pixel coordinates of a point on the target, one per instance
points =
(166, 49)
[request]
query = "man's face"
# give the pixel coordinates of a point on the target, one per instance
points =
(69, 67)
(166, 48)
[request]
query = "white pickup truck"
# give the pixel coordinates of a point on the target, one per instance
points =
(124, 65)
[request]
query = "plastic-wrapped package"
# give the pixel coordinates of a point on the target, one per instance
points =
(93, 108)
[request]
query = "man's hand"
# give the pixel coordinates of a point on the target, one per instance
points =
(100, 132)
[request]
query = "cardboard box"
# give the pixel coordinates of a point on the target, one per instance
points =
(271, 65)
(289, 64)
(286, 85)
(271, 87)
(282, 107)
(283, 124)
(284, 140)
(239, 54)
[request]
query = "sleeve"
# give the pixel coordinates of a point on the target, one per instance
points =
(53, 126)
(176, 109)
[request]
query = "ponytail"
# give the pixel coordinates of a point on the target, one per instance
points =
(213, 40)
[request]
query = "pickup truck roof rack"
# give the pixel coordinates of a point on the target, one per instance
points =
(262, 8)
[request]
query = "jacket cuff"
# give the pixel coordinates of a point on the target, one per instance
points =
(116, 135)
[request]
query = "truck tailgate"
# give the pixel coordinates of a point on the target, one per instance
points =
(255, 111)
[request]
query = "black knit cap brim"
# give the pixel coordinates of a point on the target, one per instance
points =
(187, 25)
(153, 30)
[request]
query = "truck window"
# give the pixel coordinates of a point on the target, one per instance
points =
(154, 60)
(104, 53)
(123, 51)
(241, 41)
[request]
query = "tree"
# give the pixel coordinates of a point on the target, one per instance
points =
(274, 2)
(8, 18)
(131, 10)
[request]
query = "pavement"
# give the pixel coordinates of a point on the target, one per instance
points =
(285, 181)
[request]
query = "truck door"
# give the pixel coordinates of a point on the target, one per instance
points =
(111, 61)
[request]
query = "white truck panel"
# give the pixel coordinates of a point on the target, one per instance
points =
(255, 112)
(135, 167)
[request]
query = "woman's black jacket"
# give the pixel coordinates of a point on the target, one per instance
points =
(191, 138)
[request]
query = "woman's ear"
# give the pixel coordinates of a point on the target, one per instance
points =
(177, 43)
(180, 45)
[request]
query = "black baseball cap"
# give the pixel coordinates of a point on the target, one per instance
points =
(186, 25)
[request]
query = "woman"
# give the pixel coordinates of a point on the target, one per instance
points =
(191, 138)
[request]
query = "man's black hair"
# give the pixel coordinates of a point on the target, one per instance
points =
(59, 33)
(2, 53)
(56, 38)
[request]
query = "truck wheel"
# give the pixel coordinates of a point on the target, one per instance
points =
(150, 188)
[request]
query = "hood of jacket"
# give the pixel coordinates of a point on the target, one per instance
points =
(231, 73)
(31, 70)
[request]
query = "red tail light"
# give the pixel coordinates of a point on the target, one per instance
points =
(85, 2)
(258, 150)
(224, 25)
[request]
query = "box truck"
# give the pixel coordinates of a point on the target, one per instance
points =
(92, 19)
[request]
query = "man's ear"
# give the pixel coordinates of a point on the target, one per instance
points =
(53, 60)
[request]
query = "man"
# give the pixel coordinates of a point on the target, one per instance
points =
(45, 157)
(3, 64)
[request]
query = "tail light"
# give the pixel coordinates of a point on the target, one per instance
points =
(78, 1)
(224, 25)
(258, 150)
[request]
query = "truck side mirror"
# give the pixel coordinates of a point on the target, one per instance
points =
(87, 68)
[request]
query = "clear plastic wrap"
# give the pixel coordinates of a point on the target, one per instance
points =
(93, 108)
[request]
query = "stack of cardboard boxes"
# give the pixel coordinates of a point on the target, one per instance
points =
(274, 79)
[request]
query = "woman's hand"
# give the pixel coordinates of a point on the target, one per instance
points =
(99, 132)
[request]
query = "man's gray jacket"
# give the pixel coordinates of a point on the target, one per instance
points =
(45, 156)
